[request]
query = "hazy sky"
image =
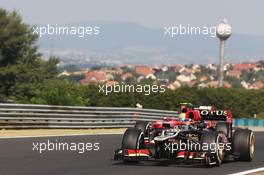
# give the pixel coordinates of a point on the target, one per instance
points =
(245, 16)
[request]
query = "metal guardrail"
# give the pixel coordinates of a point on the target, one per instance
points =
(248, 122)
(49, 116)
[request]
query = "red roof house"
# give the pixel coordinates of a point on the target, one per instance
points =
(143, 70)
(94, 77)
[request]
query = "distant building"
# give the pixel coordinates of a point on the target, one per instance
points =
(212, 67)
(227, 67)
(165, 68)
(256, 85)
(174, 85)
(186, 71)
(244, 84)
(227, 84)
(202, 85)
(215, 84)
(234, 73)
(143, 70)
(78, 72)
(196, 68)
(151, 76)
(126, 76)
(258, 67)
(203, 78)
(140, 78)
(64, 73)
(244, 66)
(176, 67)
(185, 78)
(94, 77)
(192, 83)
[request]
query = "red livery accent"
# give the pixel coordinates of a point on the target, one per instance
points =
(139, 152)
(181, 154)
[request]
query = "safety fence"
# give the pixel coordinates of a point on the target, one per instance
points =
(47, 116)
(50, 116)
(248, 122)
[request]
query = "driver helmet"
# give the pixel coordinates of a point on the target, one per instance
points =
(183, 113)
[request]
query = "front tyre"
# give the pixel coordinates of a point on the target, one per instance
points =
(132, 139)
(142, 125)
(213, 140)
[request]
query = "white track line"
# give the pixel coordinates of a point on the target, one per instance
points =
(249, 171)
(62, 135)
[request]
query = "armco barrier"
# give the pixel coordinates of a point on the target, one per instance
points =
(248, 122)
(46, 116)
(49, 116)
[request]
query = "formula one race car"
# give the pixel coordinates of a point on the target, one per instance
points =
(205, 136)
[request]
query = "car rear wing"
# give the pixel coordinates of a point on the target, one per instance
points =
(211, 115)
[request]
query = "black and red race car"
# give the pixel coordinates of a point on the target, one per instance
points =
(205, 135)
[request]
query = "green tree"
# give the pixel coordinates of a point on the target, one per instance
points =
(17, 40)
(21, 66)
(59, 92)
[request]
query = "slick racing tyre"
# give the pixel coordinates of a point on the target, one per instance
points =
(212, 140)
(133, 139)
(142, 125)
(244, 144)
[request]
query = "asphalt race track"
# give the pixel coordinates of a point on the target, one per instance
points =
(18, 158)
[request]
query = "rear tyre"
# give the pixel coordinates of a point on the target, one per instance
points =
(244, 144)
(142, 125)
(212, 140)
